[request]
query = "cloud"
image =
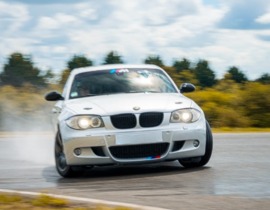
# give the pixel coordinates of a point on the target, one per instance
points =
(44, 1)
(128, 29)
(60, 20)
(164, 13)
(263, 19)
(264, 37)
(226, 34)
(12, 17)
(244, 15)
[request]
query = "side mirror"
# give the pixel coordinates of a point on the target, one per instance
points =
(54, 96)
(187, 88)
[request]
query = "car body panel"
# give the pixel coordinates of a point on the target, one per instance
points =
(97, 144)
(125, 103)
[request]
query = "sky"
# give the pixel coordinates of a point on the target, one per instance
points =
(225, 33)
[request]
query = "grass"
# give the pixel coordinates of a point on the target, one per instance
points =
(239, 130)
(45, 202)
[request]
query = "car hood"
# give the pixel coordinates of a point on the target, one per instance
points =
(128, 103)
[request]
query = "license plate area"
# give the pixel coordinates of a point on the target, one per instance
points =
(131, 138)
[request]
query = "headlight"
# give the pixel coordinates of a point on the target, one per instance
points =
(85, 122)
(185, 116)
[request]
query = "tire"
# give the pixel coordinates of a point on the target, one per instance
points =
(203, 160)
(60, 160)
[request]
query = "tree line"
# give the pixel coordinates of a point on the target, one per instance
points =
(232, 101)
(20, 69)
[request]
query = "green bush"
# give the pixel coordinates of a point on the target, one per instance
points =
(255, 102)
(227, 104)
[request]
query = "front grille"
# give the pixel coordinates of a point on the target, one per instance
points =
(150, 151)
(124, 121)
(151, 119)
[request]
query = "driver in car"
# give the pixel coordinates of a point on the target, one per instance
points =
(83, 90)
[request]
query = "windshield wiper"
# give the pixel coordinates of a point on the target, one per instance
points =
(90, 94)
(152, 91)
(146, 91)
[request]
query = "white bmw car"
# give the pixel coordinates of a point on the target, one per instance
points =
(127, 114)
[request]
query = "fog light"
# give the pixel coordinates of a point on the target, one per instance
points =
(77, 151)
(196, 143)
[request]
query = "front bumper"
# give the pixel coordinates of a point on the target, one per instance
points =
(113, 146)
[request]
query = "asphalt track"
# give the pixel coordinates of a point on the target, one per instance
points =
(237, 176)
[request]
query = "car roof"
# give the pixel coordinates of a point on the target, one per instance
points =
(113, 66)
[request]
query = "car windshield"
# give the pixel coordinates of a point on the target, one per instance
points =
(114, 81)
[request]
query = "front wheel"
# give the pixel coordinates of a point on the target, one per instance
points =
(60, 160)
(203, 160)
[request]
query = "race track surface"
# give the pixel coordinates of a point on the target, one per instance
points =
(237, 176)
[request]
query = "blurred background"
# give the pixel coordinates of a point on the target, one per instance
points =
(221, 47)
